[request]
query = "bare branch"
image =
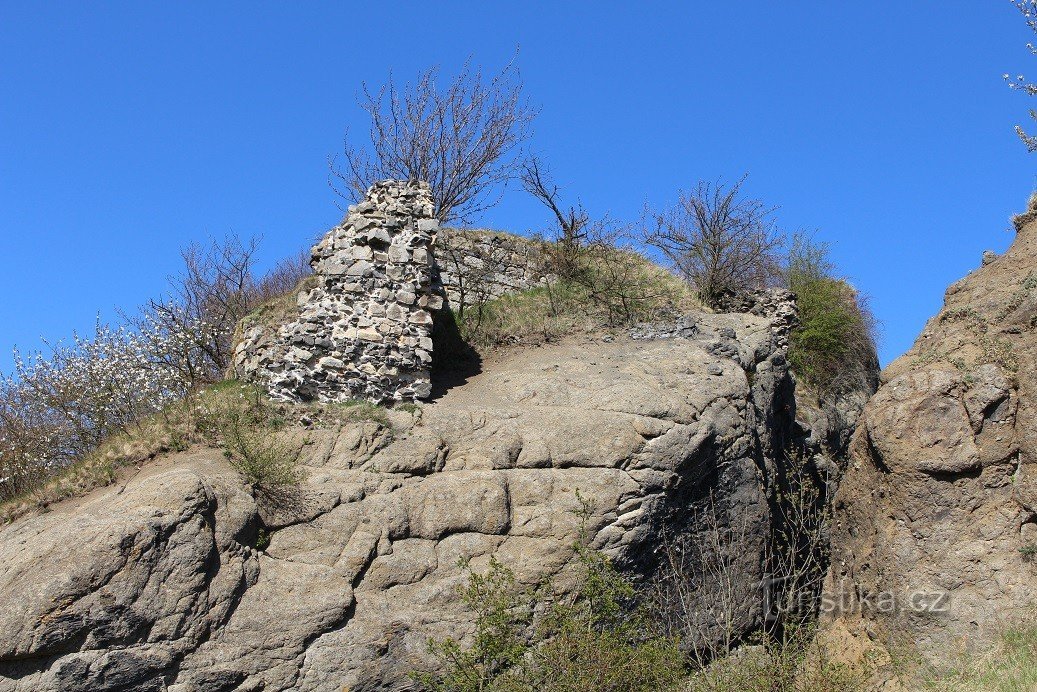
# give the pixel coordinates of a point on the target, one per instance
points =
(461, 140)
(717, 241)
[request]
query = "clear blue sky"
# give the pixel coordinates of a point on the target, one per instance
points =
(130, 129)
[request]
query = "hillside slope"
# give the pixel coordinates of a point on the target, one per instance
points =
(168, 581)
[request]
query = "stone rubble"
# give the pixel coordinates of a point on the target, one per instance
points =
(776, 304)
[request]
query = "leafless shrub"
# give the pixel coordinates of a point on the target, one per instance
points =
(283, 278)
(718, 241)
(474, 265)
(461, 140)
(701, 589)
(214, 290)
(598, 256)
(799, 549)
(570, 232)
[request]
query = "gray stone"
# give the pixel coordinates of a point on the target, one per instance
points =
(158, 585)
(351, 308)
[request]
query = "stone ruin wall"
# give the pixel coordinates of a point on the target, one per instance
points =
(365, 330)
(475, 265)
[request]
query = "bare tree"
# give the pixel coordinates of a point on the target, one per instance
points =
(700, 590)
(570, 235)
(597, 255)
(461, 140)
(718, 241)
(215, 289)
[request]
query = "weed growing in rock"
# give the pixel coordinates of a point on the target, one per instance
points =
(238, 417)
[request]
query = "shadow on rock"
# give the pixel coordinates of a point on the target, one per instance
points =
(454, 361)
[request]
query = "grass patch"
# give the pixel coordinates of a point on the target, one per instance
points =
(357, 411)
(170, 431)
(239, 418)
(278, 310)
(1010, 667)
(834, 344)
(228, 415)
(615, 289)
(794, 663)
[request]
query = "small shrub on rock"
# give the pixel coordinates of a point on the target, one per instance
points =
(834, 344)
(237, 417)
(719, 241)
(597, 640)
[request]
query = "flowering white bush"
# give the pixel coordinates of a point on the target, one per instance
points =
(57, 408)
(1028, 8)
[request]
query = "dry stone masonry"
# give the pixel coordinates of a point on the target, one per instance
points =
(365, 330)
(475, 265)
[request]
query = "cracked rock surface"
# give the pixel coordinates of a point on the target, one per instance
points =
(157, 584)
(939, 502)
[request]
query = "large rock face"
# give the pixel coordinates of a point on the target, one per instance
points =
(936, 519)
(159, 585)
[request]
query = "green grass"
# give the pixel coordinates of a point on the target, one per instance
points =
(357, 411)
(621, 290)
(1009, 667)
(170, 431)
(228, 415)
(833, 339)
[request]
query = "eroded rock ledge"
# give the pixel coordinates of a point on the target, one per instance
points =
(159, 585)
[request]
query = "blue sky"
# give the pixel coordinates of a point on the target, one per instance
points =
(128, 130)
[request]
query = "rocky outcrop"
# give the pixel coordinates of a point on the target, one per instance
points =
(364, 331)
(163, 583)
(936, 519)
